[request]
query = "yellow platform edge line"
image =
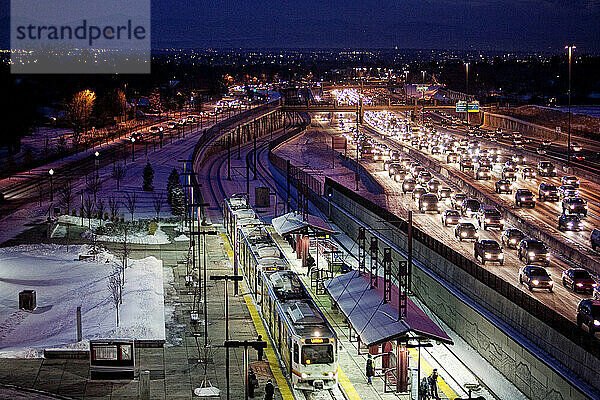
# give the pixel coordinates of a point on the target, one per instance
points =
(282, 383)
(428, 369)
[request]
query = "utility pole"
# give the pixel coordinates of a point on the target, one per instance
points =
(570, 48)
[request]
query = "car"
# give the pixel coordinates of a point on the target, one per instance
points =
(418, 192)
(570, 180)
(569, 223)
(156, 129)
(424, 177)
(519, 159)
(576, 147)
(524, 197)
(489, 216)
(488, 250)
(512, 237)
(546, 169)
(444, 194)
(483, 172)
(172, 125)
(433, 185)
(136, 137)
(470, 208)
(397, 172)
(578, 279)
(565, 191)
(436, 150)
(450, 217)
(429, 202)
(595, 238)
(192, 119)
(452, 158)
(533, 251)
(574, 205)
(465, 231)
(457, 200)
(547, 192)
(546, 142)
(535, 277)
(408, 185)
(579, 157)
(503, 186)
(588, 313)
(466, 163)
(541, 150)
(528, 173)
(395, 156)
(509, 173)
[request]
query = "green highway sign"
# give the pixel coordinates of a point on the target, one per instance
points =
(422, 88)
(473, 106)
(461, 106)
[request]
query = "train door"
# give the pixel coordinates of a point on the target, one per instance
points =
(279, 332)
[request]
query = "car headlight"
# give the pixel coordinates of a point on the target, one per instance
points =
(501, 255)
(488, 255)
(531, 254)
(547, 256)
(425, 204)
(535, 282)
(503, 187)
(522, 198)
(513, 241)
(596, 322)
(594, 284)
(579, 284)
(476, 234)
(546, 170)
(502, 221)
(570, 224)
(487, 220)
(571, 207)
(546, 193)
(463, 234)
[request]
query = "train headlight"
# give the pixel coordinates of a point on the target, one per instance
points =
(330, 374)
(304, 375)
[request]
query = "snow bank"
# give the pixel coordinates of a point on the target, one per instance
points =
(62, 284)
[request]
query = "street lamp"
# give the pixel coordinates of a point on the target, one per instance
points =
(570, 49)
(132, 149)
(96, 162)
(51, 172)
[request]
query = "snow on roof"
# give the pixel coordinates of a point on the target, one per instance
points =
(293, 223)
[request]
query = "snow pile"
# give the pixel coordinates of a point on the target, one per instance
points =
(159, 237)
(62, 284)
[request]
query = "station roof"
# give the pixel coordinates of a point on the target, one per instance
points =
(293, 223)
(374, 321)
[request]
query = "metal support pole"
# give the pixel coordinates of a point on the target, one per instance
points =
(204, 289)
(248, 180)
(245, 372)
(287, 185)
(254, 156)
(229, 157)
(410, 251)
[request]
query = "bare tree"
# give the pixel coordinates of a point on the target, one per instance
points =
(100, 207)
(93, 185)
(125, 250)
(66, 197)
(113, 206)
(118, 173)
(157, 201)
(88, 209)
(115, 288)
(131, 202)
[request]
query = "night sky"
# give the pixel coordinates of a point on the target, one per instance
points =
(441, 24)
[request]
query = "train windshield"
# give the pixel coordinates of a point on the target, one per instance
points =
(317, 354)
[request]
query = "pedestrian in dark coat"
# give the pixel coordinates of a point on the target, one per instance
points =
(252, 382)
(433, 384)
(269, 390)
(370, 370)
(259, 350)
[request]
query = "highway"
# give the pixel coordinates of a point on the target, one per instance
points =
(561, 299)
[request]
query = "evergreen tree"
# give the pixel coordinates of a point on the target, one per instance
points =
(148, 176)
(172, 183)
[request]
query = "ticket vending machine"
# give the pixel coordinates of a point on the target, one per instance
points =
(112, 359)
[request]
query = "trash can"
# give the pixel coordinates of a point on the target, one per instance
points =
(27, 300)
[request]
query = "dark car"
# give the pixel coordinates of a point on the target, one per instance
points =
(578, 279)
(490, 217)
(519, 159)
(466, 163)
(429, 202)
(452, 158)
(524, 197)
(548, 192)
(509, 173)
(565, 191)
(450, 217)
(574, 205)
(503, 186)
(535, 277)
(433, 185)
(444, 194)
(533, 251)
(570, 180)
(470, 207)
(396, 171)
(136, 137)
(457, 200)
(488, 250)
(424, 177)
(512, 237)
(546, 168)
(418, 192)
(569, 223)
(408, 185)
(528, 173)
(595, 238)
(483, 172)
(465, 231)
(588, 313)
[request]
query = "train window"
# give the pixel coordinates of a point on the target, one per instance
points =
(296, 352)
(317, 354)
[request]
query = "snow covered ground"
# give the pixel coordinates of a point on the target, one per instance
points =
(63, 283)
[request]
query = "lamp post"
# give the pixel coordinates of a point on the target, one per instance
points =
(132, 149)
(245, 344)
(570, 49)
(51, 172)
(96, 162)
(467, 72)
(226, 278)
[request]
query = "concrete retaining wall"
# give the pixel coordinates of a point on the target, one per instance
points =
(499, 330)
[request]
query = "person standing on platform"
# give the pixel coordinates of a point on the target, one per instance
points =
(269, 390)
(424, 389)
(259, 350)
(433, 384)
(370, 370)
(252, 383)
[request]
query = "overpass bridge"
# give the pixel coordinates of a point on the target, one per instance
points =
(363, 108)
